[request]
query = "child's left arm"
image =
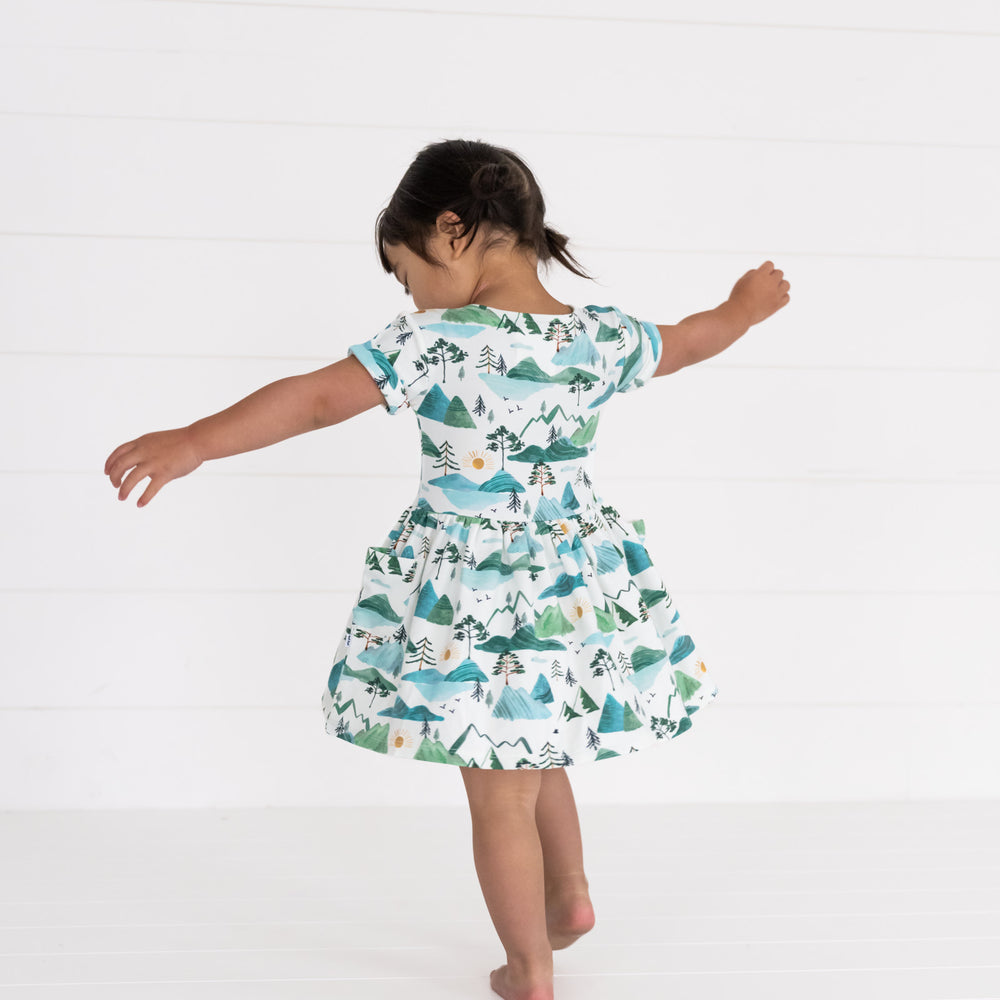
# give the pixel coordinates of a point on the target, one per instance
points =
(760, 293)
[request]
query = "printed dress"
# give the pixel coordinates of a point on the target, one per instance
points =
(512, 617)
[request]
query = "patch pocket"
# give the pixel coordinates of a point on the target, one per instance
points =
(389, 583)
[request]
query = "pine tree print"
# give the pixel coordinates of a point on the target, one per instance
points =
(558, 333)
(449, 553)
(420, 653)
(541, 476)
(447, 461)
(487, 361)
(376, 688)
(507, 664)
(369, 637)
(470, 628)
(601, 664)
(579, 384)
(503, 440)
(480, 407)
(442, 351)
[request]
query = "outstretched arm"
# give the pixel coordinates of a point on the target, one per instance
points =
(273, 413)
(760, 293)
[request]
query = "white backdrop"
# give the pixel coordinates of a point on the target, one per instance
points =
(189, 192)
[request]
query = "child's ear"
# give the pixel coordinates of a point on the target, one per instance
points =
(449, 225)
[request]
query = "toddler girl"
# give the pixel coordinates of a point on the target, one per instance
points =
(511, 622)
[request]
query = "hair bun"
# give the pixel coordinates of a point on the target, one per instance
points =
(491, 180)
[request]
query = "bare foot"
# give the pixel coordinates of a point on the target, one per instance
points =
(569, 914)
(523, 987)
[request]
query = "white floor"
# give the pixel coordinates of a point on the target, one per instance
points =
(828, 900)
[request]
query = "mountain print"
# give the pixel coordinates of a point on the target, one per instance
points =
(512, 617)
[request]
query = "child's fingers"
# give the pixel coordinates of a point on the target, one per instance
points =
(120, 462)
(115, 456)
(151, 490)
(134, 477)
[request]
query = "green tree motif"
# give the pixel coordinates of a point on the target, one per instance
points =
(559, 332)
(580, 384)
(442, 351)
(371, 638)
(661, 726)
(625, 663)
(470, 628)
(643, 609)
(611, 515)
(541, 476)
(448, 552)
(447, 460)
(503, 440)
(507, 664)
(514, 503)
(601, 664)
(480, 408)
(425, 729)
(420, 653)
(501, 366)
(486, 359)
(376, 688)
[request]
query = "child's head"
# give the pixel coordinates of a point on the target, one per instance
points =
(489, 188)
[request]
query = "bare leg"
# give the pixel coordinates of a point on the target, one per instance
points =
(568, 909)
(508, 857)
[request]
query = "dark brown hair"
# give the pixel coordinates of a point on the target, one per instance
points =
(483, 185)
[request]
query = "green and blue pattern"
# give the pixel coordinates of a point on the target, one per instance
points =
(511, 617)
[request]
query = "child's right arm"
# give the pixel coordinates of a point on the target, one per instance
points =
(273, 413)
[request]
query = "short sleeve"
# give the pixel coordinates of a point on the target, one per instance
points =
(392, 358)
(642, 352)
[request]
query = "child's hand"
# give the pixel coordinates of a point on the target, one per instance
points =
(162, 456)
(760, 293)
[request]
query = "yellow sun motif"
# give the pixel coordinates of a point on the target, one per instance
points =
(452, 655)
(564, 527)
(400, 739)
(579, 610)
(701, 667)
(477, 459)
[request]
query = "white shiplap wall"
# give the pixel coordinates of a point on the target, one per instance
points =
(189, 193)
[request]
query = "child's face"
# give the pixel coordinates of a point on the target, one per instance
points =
(448, 287)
